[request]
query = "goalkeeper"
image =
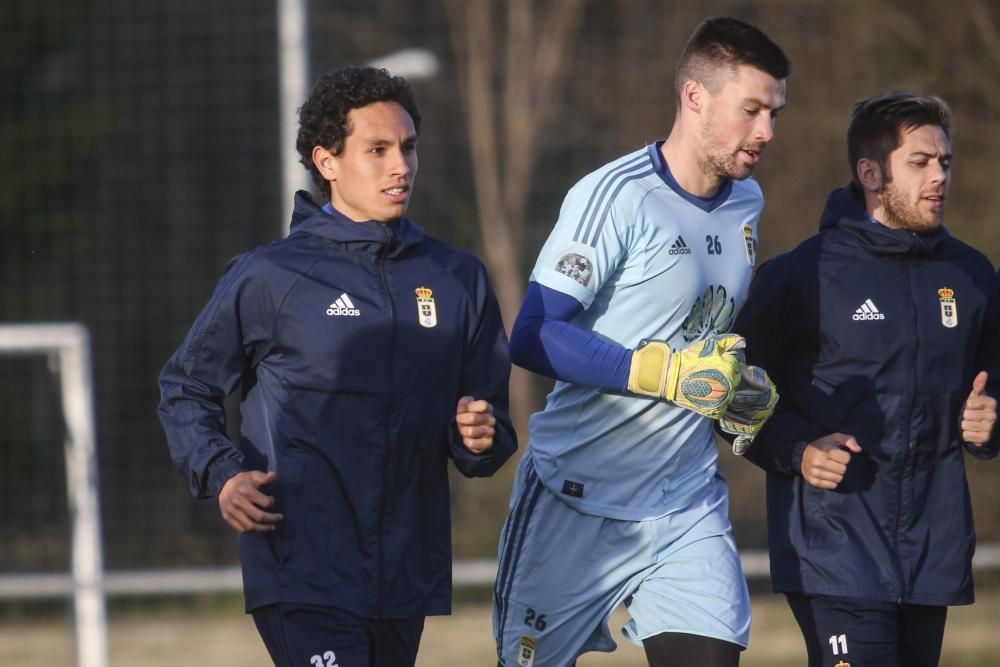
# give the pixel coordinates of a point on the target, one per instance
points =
(618, 497)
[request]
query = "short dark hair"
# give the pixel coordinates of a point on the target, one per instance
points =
(323, 117)
(721, 44)
(878, 123)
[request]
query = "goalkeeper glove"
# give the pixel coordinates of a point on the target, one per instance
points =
(700, 378)
(753, 403)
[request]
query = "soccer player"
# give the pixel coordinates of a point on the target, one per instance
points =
(881, 334)
(618, 498)
(366, 353)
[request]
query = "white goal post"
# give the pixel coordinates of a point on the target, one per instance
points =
(67, 346)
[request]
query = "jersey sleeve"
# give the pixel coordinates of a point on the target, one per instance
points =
(588, 241)
(780, 444)
(988, 359)
(207, 367)
(485, 375)
(543, 340)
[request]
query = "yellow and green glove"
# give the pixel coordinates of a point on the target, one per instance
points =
(702, 378)
(752, 405)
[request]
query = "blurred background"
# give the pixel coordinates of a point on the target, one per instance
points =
(142, 145)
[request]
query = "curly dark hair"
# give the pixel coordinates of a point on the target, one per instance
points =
(323, 117)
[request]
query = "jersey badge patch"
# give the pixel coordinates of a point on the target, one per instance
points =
(571, 488)
(576, 267)
(426, 311)
(949, 307)
(526, 651)
(750, 244)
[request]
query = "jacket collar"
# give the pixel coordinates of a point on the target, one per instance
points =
(309, 217)
(845, 210)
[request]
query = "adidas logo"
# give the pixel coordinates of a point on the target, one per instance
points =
(868, 311)
(343, 306)
(679, 247)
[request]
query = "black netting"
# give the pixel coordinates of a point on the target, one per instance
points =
(139, 151)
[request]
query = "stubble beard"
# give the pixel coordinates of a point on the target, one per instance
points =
(901, 214)
(723, 166)
(717, 161)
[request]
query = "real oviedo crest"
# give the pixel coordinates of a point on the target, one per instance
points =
(426, 311)
(949, 307)
(750, 244)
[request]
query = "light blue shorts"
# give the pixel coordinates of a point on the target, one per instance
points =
(561, 574)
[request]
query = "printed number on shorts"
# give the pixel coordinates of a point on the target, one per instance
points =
(328, 659)
(838, 643)
(534, 620)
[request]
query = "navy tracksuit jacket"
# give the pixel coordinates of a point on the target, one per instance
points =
(351, 343)
(876, 333)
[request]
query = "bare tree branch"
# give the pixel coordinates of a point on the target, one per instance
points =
(519, 116)
(544, 74)
(984, 24)
(503, 161)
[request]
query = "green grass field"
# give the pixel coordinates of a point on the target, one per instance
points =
(219, 634)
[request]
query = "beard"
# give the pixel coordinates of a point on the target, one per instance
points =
(903, 214)
(724, 165)
(721, 161)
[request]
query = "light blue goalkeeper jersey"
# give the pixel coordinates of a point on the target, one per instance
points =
(647, 260)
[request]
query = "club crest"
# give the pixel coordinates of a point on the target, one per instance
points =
(750, 244)
(949, 307)
(526, 652)
(426, 311)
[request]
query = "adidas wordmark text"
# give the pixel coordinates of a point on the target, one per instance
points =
(868, 311)
(343, 307)
(679, 247)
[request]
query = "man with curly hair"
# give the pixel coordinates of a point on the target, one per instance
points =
(367, 354)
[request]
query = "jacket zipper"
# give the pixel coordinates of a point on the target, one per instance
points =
(379, 585)
(907, 432)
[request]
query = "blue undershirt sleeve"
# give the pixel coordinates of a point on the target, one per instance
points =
(544, 341)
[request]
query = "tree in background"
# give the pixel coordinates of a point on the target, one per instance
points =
(507, 130)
